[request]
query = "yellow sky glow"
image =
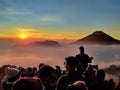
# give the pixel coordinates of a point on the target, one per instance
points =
(53, 33)
(23, 36)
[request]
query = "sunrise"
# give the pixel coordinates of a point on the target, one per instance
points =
(23, 36)
(53, 40)
(59, 18)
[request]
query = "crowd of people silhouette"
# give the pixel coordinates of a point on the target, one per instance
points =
(79, 75)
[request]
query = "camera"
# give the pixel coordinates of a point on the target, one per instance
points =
(90, 59)
(95, 66)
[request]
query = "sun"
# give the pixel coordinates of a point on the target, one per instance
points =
(23, 36)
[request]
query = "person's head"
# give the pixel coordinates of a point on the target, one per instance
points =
(34, 69)
(57, 67)
(29, 69)
(77, 85)
(81, 48)
(100, 75)
(12, 74)
(27, 83)
(47, 75)
(40, 65)
(70, 63)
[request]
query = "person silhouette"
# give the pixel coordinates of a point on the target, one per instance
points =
(48, 77)
(71, 74)
(28, 83)
(83, 60)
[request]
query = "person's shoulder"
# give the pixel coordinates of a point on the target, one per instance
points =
(86, 55)
(78, 55)
(63, 77)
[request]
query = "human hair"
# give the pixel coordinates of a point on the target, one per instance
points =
(45, 71)
(81, 48)
(71, 61)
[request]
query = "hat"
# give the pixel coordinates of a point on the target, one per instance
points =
(11, 72)
(28, 83)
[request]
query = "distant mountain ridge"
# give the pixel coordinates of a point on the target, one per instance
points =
(44, 43)
(97, 37)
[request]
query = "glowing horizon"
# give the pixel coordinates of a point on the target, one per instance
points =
(59, 19)
(73, 35)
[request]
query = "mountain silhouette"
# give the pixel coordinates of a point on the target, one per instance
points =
(97, 37)
(44, 43)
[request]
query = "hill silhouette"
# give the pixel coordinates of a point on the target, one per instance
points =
(113, 69)
(97, 37)
(44, 43)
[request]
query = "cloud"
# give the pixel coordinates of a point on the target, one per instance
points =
(13, 11)
(25, 29)
(48, 19)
